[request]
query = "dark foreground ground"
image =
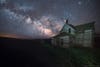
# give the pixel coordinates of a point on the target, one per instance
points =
(32, 53)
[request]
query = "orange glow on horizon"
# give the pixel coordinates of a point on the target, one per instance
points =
(14, 36)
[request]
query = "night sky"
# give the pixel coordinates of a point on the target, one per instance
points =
(45, 18)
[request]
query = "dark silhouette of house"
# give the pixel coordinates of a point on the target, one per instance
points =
(70, 35)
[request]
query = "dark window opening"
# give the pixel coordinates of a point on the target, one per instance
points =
(69, 30)
(61, 42)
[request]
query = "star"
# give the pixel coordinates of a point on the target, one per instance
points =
(79, 2)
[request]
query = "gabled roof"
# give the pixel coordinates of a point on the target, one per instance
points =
(82, 27)
(61, 33)
(67, 24)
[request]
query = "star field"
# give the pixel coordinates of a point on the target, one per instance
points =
(45, 18)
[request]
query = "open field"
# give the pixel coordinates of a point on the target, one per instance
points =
(76, 57)
(31, 53)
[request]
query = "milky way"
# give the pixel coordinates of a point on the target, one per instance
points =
(45, 18)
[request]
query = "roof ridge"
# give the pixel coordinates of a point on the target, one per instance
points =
(85, 23)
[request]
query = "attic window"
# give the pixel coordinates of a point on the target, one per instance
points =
(69, 30)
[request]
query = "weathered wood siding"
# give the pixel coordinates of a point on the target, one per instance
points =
(67, 28)
(85, 38)
(88, 38)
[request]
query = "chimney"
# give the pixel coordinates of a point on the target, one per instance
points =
(66, 21)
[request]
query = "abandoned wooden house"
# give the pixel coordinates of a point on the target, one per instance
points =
(81, 35)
